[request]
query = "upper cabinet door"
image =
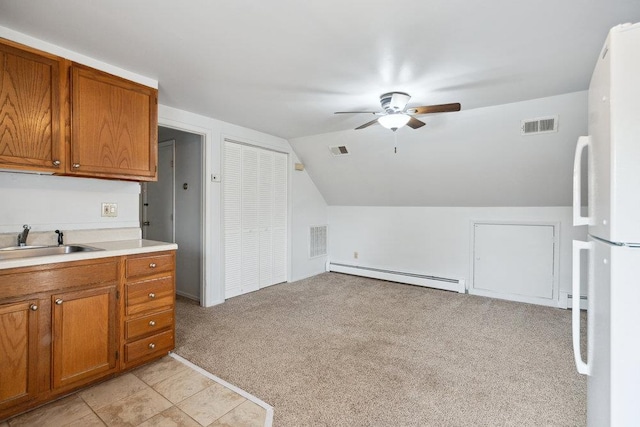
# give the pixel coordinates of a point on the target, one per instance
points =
(31, 124)
(114, 127)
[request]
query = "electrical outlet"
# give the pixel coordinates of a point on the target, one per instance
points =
(355, 255)
(110, 209)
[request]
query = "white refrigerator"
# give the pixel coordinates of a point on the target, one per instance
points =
(612, 251)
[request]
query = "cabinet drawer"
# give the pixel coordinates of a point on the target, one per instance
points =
(144, 266)
(149, 295)
(50, 277)
(149, 324)
(147, 347)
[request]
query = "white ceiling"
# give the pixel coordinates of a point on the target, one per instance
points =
(284, 66)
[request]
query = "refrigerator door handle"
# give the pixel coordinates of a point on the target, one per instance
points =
(578, 219)
(583, 368)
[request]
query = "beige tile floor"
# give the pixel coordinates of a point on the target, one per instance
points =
(164, 393)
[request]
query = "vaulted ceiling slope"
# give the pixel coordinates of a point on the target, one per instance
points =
(470, 158)
(284, 66)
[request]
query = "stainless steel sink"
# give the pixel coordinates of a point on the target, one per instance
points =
(15, 248)
(17, 252)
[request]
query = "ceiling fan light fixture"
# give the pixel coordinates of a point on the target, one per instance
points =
(394, 121)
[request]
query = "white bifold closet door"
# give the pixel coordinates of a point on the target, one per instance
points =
(255, 218)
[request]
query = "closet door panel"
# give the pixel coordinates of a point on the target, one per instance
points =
(232, 212)
(265, 214)
(279, 219)
(250, 261)
(249, 189)
(255, 218)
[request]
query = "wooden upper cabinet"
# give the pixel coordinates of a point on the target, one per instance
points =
(114, 129)
(32, 95)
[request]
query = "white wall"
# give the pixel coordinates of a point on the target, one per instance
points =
(468, 158)
(48, 202)
(306, 205)
(432, 240)
(309, 208)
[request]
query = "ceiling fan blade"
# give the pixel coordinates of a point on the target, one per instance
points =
(372, 122)
(428, 109)
(414, 123)
(357, 112)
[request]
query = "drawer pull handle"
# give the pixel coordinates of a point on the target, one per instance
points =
(152, 346)
(152, 295)
(33, 307)
(56, 163)
(75, 165)
(58, 301)
(152, 323)
(153, 265)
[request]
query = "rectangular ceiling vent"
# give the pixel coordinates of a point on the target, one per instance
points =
(539, 125)
(317, 241)
(339, 150)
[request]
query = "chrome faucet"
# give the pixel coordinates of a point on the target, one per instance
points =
(60, 237)
(22, 237)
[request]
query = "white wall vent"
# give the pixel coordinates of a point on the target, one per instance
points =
(339, 150)
(317, 241)
(539, 125)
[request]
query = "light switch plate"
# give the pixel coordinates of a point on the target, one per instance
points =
(110, 209)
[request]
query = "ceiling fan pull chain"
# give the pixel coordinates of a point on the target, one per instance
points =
(395, 142)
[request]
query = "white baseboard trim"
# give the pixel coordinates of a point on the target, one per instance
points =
(548, 302)
(447, 284)
(268, 422)
(566, 301)
(187, 295)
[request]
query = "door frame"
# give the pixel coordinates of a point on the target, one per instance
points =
(172, 144)
(208, 295)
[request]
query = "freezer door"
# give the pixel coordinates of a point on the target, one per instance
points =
(614, 130)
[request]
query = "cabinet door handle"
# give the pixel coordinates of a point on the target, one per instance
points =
(56, 163)
(152, 295)
(33, 307)
(75, 165)
(152, 323)
(153, 265)
(152, 346)
(58, 301)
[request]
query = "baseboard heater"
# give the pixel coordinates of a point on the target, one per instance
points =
(444, 283)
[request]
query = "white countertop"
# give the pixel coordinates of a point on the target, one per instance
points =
(113, 248)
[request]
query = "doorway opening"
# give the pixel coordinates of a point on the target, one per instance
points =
(172, 207)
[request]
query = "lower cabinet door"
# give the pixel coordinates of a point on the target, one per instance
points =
(84, 335)
(18, 352)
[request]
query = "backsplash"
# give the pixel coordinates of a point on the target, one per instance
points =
(48, 202)
(48, 238)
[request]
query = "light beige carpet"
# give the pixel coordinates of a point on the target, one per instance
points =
(338, 350)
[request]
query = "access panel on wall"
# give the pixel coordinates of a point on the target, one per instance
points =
(515, 261)
(255, 218)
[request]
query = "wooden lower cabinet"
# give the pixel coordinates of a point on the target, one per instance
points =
(18, 352)
(64, 326)
(84, 335)
(148, 307)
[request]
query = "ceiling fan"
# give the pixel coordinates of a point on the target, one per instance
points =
(396, 115)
